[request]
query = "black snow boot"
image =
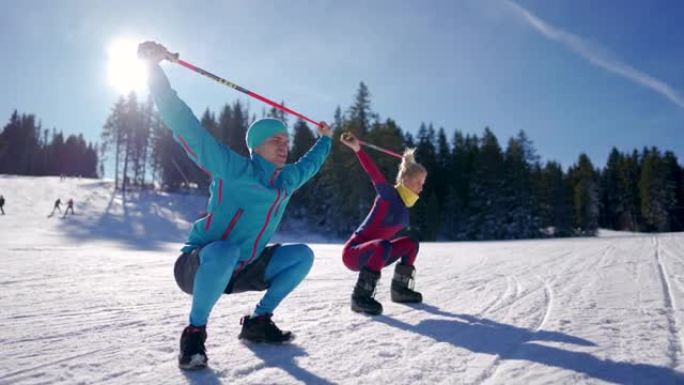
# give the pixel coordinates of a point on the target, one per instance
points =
(263, 329)
(402, 285)
(362, 300)
(192, 352)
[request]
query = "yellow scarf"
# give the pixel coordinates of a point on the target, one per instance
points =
(409, 197)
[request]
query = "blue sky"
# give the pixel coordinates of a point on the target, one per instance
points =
(577, 76)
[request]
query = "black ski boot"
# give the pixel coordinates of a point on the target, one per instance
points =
(362, 300)
(262, 329)
(192, 352)
(402, 285)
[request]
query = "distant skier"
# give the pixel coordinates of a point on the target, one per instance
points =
(226, 250)
(2, 204)
(56, 206)
(373, 246)
(70, 206)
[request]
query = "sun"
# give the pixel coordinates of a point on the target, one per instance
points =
(125, 71)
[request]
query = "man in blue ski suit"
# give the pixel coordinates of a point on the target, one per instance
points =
(226, 251)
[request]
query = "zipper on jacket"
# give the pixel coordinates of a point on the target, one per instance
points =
(263, 228)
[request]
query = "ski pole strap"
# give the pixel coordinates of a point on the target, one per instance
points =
(175, 58)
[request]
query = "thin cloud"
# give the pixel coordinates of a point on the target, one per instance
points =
(597, 56)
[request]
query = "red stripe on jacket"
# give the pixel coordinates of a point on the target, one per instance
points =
(207, 224)
(231, 224)
(187, 147)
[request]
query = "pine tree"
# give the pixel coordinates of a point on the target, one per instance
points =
(325, 211)
(113, 135)
(26, 149)
(302, 141)
(460, 169)
(675, 186)
(305, 197)
(620, 202)
(237, 129)
(521, 210)
(169, 159)
(585, 196)
(278, 113)
(360, 113)
(630, 172)
(440, 177)
(425, 224)
(128, 128)
(140, 142)
(209, 122)
(612, 196)
(353, 192)
(109, 138)
(162, 142)
(21, 138)
(656, 191)
(486, 208)
(387, 135)
(58, 153)
(555, 201)
(426, 217)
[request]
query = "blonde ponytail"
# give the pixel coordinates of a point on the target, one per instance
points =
(409, 167)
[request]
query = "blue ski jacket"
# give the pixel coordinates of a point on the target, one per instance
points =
(247, 196)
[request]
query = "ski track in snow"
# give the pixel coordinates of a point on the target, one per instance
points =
(675, 343)
(90, 299)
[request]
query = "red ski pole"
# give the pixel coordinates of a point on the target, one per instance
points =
(386, 151)
(175, 58)
(348, 136)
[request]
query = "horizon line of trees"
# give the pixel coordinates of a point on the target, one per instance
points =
(476, 188)
(28, 149)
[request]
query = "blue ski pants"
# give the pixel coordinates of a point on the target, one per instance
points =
(288, 266)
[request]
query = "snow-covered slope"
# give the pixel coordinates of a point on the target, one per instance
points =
(90, 299)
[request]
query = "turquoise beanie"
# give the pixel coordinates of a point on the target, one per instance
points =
(262, 129)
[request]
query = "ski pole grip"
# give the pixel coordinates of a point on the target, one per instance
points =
(172, 57)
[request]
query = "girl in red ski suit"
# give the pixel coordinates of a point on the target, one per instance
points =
(373, 245)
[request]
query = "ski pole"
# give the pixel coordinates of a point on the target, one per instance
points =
(386, 151)
(175, 58)
(347, 136)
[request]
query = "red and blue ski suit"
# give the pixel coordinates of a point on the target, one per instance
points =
(372, 245)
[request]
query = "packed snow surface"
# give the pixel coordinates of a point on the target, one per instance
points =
(90, 299)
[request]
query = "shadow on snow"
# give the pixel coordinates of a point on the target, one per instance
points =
(508, 342)
(138, 219)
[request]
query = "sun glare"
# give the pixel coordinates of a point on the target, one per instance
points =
(125, 71)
